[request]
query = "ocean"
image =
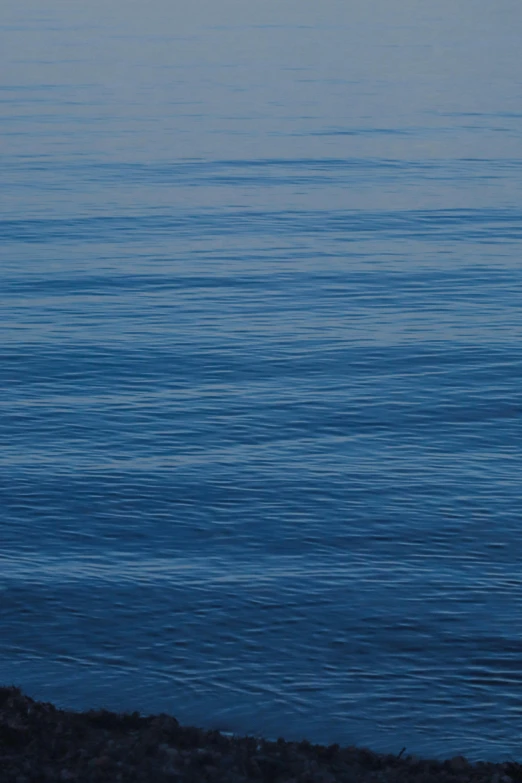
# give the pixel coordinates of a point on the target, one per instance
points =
(260, 366)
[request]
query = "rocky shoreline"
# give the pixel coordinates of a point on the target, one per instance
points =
(42, 744)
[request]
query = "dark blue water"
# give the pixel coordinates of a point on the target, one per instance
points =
(260, 363)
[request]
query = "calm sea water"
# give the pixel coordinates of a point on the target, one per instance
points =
(260, 356)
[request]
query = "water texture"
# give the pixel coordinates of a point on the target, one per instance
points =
(260, 364)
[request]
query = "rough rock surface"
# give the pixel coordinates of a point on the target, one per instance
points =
(40, 743)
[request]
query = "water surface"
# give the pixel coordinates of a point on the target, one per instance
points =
(260, 414)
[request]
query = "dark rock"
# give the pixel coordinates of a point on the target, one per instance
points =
(42, 744)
